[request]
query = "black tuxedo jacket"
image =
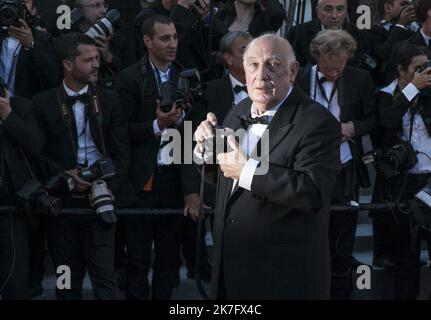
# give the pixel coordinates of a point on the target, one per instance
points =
(300, 37)
(272, 242)
(58, 153)
(20, 132)
(37, 68)
(219, 97)
(137, 88)
(355, 97)
(416, 39)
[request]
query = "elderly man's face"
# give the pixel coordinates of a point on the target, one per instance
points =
(332, 66)
(94, 10)
(269, 71)
(332, 13)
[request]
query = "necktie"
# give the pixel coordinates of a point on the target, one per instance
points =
(247, 120)
(237, 89)
(71, 100)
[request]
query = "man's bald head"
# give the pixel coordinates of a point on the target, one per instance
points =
(270, 69)
(332, 13)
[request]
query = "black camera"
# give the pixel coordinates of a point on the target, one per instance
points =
(187, 90)
(101, 169)
(34, 197)
(391, 162)
(423, 67)
(100, 196)
(106, 25)
(10, 13)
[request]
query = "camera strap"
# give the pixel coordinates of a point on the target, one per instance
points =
(318, 82)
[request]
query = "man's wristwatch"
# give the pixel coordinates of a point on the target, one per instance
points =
(31, 46)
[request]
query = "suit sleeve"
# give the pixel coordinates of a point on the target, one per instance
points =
(119, 144)
(23, 130)
(368, 122)
(307, 184)
(391, 109)
(129, 93)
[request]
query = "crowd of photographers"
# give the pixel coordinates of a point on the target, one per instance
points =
(84, 114)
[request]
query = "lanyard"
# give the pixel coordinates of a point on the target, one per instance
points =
(322, 91)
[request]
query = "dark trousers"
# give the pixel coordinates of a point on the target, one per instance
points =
(342, 230)
(188, 241)
(13, 257)
(407, 254)
(37, 252)
(84, 242)
(164, 230)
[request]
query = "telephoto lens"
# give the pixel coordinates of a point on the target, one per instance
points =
(101, 200)
(104, 26)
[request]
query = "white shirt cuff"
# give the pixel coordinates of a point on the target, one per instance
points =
(410, 91)
(156, 128)
(247, 174)
(401, 26)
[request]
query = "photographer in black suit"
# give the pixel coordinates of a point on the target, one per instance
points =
(20, 142)
(331, 14)
(80, 125)
(27, 59)
(405, 117)
(157, 181)
(272, 213)
(113, 49)
(347, 93)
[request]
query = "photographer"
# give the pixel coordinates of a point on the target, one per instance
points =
(27, 63)
(398, 16)
(112, 48)
(82, 127)
(331, 14)
(158, 182)
(347, 93)
(192, 22)
(19, 139)
(404, 115)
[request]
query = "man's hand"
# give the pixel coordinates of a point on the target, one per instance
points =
(422, 79)
(166, 119)
(192, 206)
(205, 131)
(23, 34)
(347, 131)
(80, 185)
(407, 16)
(102, 44)
(203, 8)
(5, 107)
(231, 163)
(186, 3)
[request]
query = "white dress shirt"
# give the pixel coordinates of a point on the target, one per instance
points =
(420, 139)
(426, 38)
(334, 108)
(163, 157)
(8, 60)
(249, 143)
(87, 149)
(238, 97)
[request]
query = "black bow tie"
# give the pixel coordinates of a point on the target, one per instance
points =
(237, 89)
(248, 120)
(71, 100)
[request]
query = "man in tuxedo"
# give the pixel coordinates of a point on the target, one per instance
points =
(113, 48)
(421, 38)
(397, 15)
(271, 228)
(157, 182)
(80, 125)
(27, 59)
(20, 142)
(331, 14)
(347, 93)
